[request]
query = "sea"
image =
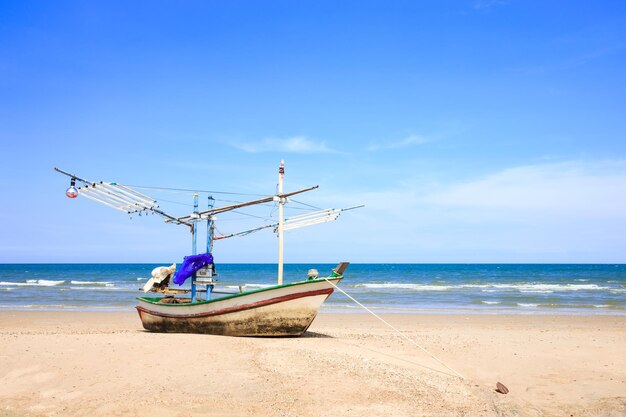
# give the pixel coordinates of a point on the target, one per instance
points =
(569, 289)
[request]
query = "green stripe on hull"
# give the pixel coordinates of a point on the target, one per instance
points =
(155, 300)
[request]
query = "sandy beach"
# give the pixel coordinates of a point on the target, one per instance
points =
(105, 364)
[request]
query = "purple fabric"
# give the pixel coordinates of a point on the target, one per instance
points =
(190, 265)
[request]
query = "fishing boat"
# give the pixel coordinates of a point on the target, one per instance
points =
(284, 309)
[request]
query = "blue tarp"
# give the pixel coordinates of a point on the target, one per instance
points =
(190, 265)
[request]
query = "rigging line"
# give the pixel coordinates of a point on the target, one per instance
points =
(305, 204)
(192, 190)
(238, 202)
(174, 202)
(407, 338)
(266, 204)
(273, 211)
(246, 214)
(300, 208)
(245, 232)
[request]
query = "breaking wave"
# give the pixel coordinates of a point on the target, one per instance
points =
(93, 283)
(534, 288)
(33, 283)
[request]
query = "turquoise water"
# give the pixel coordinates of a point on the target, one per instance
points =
(408, 288)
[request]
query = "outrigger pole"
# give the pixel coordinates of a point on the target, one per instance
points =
(218, 210)
(121, 198)
(290, 223)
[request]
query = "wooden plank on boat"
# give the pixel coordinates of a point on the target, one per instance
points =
(341, 267)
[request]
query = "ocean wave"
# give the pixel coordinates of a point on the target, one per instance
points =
(527, 305)
(490, 302)
(93, 283)
(86, 288)
(254, 286)
(233, 288)
(537, 288)
(34, 306)
(45, 282)
(33, 283)
(550, 287)
(414, 287)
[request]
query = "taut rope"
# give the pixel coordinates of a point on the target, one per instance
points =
(395, 329)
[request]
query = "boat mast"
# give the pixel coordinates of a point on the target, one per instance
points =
(281, 215)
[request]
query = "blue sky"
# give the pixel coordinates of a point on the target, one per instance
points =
(474, 131)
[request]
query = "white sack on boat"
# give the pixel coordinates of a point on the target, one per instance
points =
(158, 275)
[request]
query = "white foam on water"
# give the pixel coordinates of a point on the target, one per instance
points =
(228, 287)
(99, 283)
(414, 287)
(527, 305)
(490, 302)
(545, 288)
(85, 288)
(252, 286)
(551, 287)
(45, 282)
(33, 283)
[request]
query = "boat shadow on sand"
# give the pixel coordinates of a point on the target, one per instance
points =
(309, 334)
(305, 335)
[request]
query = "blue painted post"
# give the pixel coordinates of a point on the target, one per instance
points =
(194, 250)
(209, 240)
(209, 226)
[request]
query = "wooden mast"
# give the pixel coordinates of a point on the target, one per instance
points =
(281, 215)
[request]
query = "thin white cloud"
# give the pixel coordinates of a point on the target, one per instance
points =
(570, 188)
(568, 63)
(571, 211)
(410, 140)
(295, 144)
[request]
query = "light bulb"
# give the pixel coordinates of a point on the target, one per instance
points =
(71, 192)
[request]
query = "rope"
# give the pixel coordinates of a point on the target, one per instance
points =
(185, 190)
(397, 331)
(305, 204)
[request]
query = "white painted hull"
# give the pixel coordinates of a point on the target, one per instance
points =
(286, 310)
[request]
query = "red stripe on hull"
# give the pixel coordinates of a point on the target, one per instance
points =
(244, 307)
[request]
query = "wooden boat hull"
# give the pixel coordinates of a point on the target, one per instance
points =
(285, 310)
